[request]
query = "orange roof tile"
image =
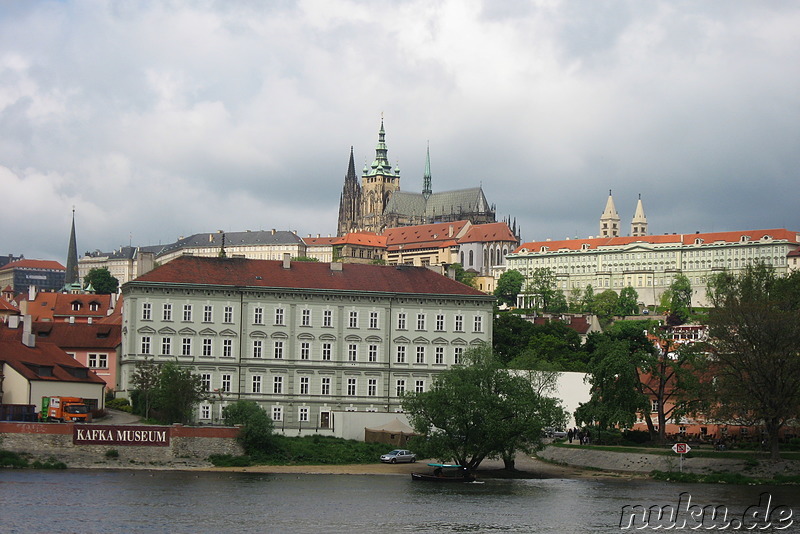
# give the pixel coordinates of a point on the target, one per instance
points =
(78, 335)
(481, 233)
(33, 264)
(424, 233)
(364, 239)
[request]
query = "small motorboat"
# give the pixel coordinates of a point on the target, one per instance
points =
(445, 473)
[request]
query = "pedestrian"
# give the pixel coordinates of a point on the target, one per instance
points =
(569, 435)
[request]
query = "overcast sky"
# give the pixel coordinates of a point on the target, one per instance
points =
(162, 119)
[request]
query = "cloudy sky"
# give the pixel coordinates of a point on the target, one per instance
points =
(161, 119)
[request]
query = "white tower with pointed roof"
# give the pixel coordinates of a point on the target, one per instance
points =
(609, 220)
(639, 222)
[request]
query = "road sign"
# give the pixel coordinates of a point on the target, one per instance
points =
(681, 448)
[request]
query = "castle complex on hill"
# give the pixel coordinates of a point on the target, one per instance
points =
(377, 203)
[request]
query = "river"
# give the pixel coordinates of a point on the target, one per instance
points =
(98, 501)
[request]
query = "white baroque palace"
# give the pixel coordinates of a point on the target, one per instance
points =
(303, 339)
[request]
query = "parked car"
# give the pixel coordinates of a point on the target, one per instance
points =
(398, 455)
(553, 433)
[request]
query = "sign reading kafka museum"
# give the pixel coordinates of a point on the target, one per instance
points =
(153, 436)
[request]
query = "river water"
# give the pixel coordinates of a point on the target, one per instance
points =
(96, 501)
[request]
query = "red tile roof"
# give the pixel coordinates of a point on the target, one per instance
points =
(27, 360)
(320, 241)
(78, 335)
(33, 264)
(305, 275)
(7, 306)
(677, 239)
(364, 239)
(52, 306)
(407, 235)
(482, 233)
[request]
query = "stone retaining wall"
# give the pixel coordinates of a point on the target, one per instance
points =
(188, 446)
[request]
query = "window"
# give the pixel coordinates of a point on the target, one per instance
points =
(352, 352)
(187, 312)
(302, 414)
(654, 406)
(98, 361)
(186, 346)
(326, 352)
(373, 320)
(305, 318)
(226, 383)
(372, 353)
(353, 320)
(205, 411)
(258, 315)
(277, 385)
(421, 354)
(208, 313)
(145, 344)
(166, 346)
(420, 321)
(351, 387)
(459, 326)
(325, 386)
(478, 324)
(93, 306)
(256, 384)
(458, 352)
(400, 387)
(257, 348)
(277, 413)
(419, 386)
(305, 350)
(401, 321)
(277, 349)
(401, 354)
(227, 348)
(227, 314)
(279, 316)
(304, 383)
(439, 355)
(206, 346)
(372, 387)
(205, 381)
(440, 323)
(146, 310)
(327, 318)
(166, 314)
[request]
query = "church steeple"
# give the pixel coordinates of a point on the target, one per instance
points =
(426, 178)
(71, 275)
(609, 220)
(381, 164)
(639, 222)
(350, 200)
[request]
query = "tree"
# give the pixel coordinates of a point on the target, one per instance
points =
(587, 305)
(256, 434)
(465, 277)
(552, 346)
(540, 288)
(677, 300)
(178, 392)
(755, 332)
(558, 304)
(101, 281)
(606, 303)
(481, 410)
(145, 382)
(304, 258)
(508, 287)
(628, 303)
(510, 336)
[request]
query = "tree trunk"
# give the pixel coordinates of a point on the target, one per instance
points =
(508, 462)
(773, 428)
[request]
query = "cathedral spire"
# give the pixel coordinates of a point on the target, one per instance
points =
(609, 220)
(426, 178)
(71, 275)
(350, 200)
(639, 222)
(381, 164)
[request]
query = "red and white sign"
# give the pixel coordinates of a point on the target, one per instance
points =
(681, 448)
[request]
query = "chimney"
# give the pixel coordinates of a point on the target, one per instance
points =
(287, 260)
(450, 231)
(336, 266)
(13, 321)
(451, 272)
(31, 293)
(90, 320)
(28, 339)
(273, 231)
(71, 319)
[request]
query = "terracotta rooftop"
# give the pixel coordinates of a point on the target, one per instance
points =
(51, 306)
(778, 234)
(481, 233)
(33, 264)
(78, 335)
(364, 239)
(242, 272)
(423, 233)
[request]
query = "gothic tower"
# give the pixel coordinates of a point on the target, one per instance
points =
(639, 222)
(350, 201)
(71, 275)
(609, 220)
(426, 178)
(378, 182)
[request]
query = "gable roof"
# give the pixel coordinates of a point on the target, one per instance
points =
(241, 272)
(50, 306)
(471, 200)
(363, 239)
(78, 335)
(489, 232)
(33, 264)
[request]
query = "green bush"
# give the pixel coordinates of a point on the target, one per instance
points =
(256, 433)
(50, 463)
(12, 459)
(320, 450)
(637, 436)
(112, 453)
(227, 460)
(119, 404)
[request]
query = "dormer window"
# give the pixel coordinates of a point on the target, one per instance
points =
(766, 238)
(744, 238)
(585, 246)
(94, 306)
(76, 306)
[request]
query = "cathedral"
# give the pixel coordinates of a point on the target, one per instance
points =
(377, 203)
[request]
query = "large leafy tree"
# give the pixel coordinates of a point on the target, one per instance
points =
(508, 287)
(605, 304)
(145, 383)
(677, 300)
(552, 346)
(541, 288)
(628, 303)
(463, 276)
(256, 434)
(101, 280)
(754, 327)
(481, 410)
(168, 391)
(510, 336)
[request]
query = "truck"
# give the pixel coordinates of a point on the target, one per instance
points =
(65, 409)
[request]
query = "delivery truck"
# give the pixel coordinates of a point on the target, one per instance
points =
(65, 409)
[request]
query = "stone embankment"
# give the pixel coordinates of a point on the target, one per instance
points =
(587, 457)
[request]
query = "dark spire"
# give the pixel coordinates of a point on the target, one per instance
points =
(71, 276)
(426, 178)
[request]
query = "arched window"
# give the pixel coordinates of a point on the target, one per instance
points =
(471, 258)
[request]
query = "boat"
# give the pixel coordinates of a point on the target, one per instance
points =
(445, 473)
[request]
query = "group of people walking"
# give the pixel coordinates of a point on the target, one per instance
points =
(580, 435)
